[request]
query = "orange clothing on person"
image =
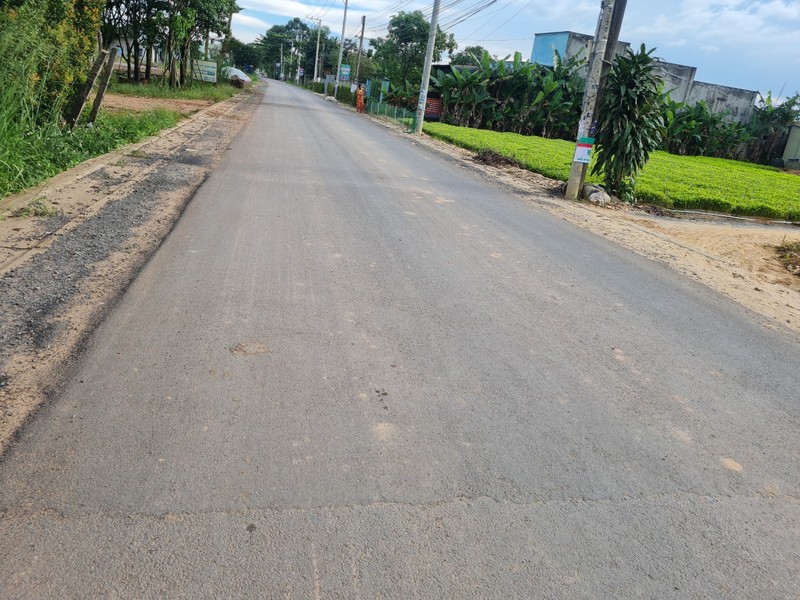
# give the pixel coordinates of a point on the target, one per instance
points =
(360, 100)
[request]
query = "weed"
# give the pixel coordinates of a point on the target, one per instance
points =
(136, 153)
(39, 207)
(789, 255)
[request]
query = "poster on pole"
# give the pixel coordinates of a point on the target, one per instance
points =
(583, 151)
(204, 70)
(344, 73)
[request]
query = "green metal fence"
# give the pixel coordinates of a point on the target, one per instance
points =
(397, 114)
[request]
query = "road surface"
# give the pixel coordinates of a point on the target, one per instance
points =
(357, 370)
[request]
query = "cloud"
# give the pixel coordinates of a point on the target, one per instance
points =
(709, 48)
(244, 20)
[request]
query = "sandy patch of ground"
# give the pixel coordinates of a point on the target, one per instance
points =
(124, 102)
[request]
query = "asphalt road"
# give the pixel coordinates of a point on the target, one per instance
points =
(357, 370)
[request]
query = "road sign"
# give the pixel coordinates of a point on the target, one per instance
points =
(205, 70)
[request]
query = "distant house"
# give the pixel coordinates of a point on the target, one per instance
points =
(679, 79)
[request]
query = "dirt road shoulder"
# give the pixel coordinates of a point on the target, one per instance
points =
(60, 274)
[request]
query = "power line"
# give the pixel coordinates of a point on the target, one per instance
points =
(509, 19)
(489, 20)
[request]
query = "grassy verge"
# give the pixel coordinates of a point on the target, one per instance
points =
(42, 153)
(687, 182)
(197, 91)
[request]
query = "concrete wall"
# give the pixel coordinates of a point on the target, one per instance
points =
(791, 156)
(739, 103)
(678, 80)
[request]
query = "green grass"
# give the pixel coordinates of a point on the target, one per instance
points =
(684, 182)
(42, 153)
(197, 91)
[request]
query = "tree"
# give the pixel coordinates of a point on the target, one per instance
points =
(401, 54)
(631, 121)
(469, 56)
(244, 55)
(132, 23)
(295, 34)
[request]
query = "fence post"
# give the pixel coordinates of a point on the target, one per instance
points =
(76, 108)
(101, 90)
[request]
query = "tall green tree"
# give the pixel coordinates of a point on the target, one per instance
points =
(469, 56)
(401, 54)
(244, 55)
(295, 34)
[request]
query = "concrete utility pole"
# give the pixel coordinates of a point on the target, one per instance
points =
(426, 71)
(281, 75)
(360, 45)
(603, 48)
(341, 52)
(316, 57)
(300, 41)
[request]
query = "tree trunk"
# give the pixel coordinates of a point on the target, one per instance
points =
(137, 61)
(184, 54)
(148, 63)
(169, 59)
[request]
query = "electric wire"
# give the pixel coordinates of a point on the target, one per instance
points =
(508, 20)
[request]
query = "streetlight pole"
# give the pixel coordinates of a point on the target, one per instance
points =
(426, 71)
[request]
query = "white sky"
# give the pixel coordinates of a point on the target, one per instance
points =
(749, 44)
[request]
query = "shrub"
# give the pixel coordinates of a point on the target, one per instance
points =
(631, 123)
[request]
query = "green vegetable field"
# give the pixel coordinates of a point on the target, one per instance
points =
(686, 182)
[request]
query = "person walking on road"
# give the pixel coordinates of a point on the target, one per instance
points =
(360, 99)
